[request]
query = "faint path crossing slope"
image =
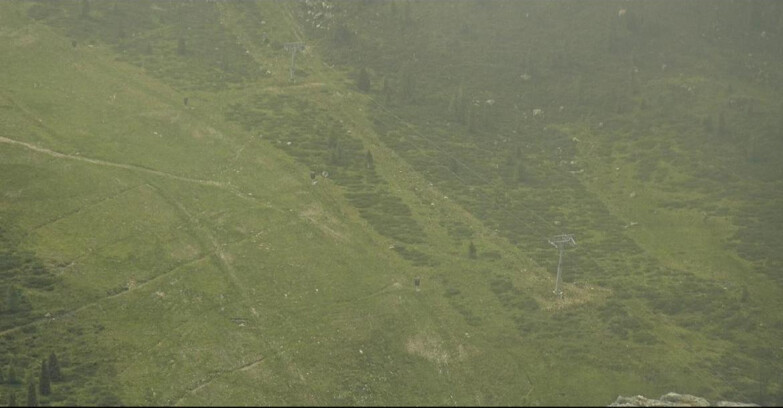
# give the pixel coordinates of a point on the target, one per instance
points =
(112, 164)
(213, 183)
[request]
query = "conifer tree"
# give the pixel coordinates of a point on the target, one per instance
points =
(721, 131)
(336, 156)
(363, 81)
(369, 160)
(11, 377)
(12, 399)
(32, 394)
(11, 299)
(386, 90)
(44, 383)
(85, 9)
(54, 368)
(471, 251)
(182, 48)
(457, 106)
(406, 12)
(407, 84)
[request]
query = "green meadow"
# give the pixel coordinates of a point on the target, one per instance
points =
(185, 220)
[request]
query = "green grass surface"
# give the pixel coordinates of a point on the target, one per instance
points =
(172, 254)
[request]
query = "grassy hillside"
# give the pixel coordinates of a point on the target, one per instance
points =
(181, 224)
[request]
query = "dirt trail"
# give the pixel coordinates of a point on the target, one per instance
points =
(84, 207)
(73, 312)
(210, 378)
(219, 184)
(285, 88)
(112, 164)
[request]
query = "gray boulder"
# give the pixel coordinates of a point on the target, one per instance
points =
(673, 399)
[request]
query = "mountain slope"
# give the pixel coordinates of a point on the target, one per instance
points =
(183, 225)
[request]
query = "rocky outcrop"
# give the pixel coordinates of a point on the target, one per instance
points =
(673, 399)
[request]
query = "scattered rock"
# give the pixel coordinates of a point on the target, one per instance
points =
(673, 399)
(685, 399)
(735, 404)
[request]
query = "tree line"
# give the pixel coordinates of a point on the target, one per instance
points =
(49, 373)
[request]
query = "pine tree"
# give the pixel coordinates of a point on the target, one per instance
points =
(363, 81)
(721, 131)
(12, 399)
(11, 299)
(406, 12)
(85, 9)
(386, 90)
(369, 159)
(336, 156)
(11, 377)
(342, 36)
(521, 173)
(181, 47)
(471, 251)
(54, 368)
(470, 118)
(457, 106)
(32, 395)
(407, 83)
(44, 383)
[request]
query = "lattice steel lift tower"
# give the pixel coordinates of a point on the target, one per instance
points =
(294, 47)
(561, 241)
